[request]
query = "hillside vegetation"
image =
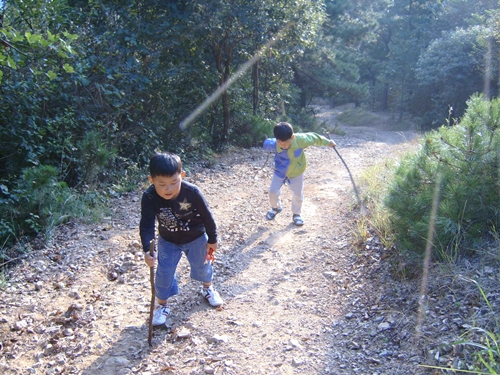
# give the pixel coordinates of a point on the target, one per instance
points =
(91, 89)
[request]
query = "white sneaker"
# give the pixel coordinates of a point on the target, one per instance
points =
(160, 315)
(212, 296)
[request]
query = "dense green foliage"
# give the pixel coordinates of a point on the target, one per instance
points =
(465, 158)
(92, 88)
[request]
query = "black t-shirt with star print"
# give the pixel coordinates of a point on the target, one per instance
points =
(180, 220)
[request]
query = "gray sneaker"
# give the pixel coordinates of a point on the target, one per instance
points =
(160, 315)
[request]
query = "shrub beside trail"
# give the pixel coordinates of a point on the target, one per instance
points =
(466, 157)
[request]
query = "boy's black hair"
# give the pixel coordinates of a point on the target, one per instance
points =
(283, 131)
(165, 164)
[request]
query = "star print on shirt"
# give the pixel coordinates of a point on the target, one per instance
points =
(184, 205)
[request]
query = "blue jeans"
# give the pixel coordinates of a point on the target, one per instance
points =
(170, 254)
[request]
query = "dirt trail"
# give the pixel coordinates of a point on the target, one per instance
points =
(299, 300)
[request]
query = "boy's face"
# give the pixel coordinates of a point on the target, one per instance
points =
(285, 144)
(168, 187)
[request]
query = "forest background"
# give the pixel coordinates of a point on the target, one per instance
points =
(90, 89)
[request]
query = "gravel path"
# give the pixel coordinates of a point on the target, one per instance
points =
(299, 300)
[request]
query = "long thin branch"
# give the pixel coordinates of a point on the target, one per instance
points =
(7, 44)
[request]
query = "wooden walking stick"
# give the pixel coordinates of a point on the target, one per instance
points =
(356, 192)
(152, 280)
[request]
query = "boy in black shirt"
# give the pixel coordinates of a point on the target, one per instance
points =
(185, 225)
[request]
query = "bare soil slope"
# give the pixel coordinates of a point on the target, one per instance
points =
(299, 300)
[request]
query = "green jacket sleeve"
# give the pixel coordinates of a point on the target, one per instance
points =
(311, 139)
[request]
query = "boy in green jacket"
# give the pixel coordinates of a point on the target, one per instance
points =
(289, 166)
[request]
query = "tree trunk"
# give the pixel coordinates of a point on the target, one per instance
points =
(488, 70)
(303, 98)
(402, 98)
(255, 93)
(410, 10)
(385, 97)
(225, 110)
(298, 82)
(223, 67)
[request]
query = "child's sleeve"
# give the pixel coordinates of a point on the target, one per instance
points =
(207, 217)
(270, 144)
(311, 139)
(147, 223)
